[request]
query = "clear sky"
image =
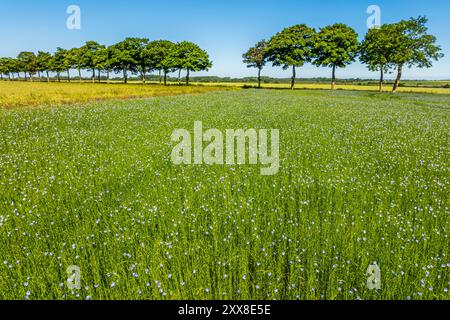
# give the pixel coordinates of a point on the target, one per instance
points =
(224, 28)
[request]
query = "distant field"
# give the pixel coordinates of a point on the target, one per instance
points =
(363, 179)
(26, 94)
(325, 86)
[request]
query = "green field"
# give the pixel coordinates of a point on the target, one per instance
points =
(364, 178)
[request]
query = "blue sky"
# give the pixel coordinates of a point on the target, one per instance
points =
(224, 28)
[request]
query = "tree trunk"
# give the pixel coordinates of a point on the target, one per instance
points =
(107, 76)
(187, 78)
(1, 76)
(381, 78)
(25, 73)
(58, 76)
(179, 76)
(165, 77)
(293, 78)
(93, 75)
(159, 76)
(125, 77)
(68, 75)
(31, 77)
(18, 75)
(9, 76)
(259, 78)
(333, 78)
(143, 77)
(99, 76)
(79, 74)
(39, 76)
(399, 77)
(48, 77)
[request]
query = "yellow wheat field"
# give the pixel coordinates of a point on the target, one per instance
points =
(29, 94)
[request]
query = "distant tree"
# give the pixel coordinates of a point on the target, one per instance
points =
(77, 59)
(256, 57)
(335, 46)
(413, 46)
(43, 61)
(157, 53)
(291, 47)
(27, 63)
(14, 67)
(123, 57)
(71, 61)
(137, 47)
(102, 61)
(59, 62)
(5, 68)
(376, 51)
(190, 57)
(87, 54)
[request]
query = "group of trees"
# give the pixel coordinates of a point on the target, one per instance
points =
(391, 47)
(136, 55)
(384, 49)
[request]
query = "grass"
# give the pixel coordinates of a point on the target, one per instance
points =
(363, 179)
(29, 94)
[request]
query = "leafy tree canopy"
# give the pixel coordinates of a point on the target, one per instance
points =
(59, 61)
(85, 55)
(412, 45)
(43, 60)
(27, 61)
(125, 55)
(256, 56)
(335, 46)
(189, 56)
(376, 48)
(157, 52)
(291, 47)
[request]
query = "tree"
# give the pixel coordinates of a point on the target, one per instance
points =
(256, 57)
(59, 62)
(189, 56)
(27, 63)
(102, 61)
(412, 46)
(14, 67)
(78, 59)
(5, 68)
(87, 54)
(376, 51)
(291, 47)
(71, 59)
(43, 61)
(157, 54)
(123, 57)
(137, 48)
(335, 46)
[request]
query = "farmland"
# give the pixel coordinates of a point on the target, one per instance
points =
(363, 179)
(31, 94)
(20, 94)
(326, 86)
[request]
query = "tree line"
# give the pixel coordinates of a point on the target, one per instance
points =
(386, 49)
(136, 55)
